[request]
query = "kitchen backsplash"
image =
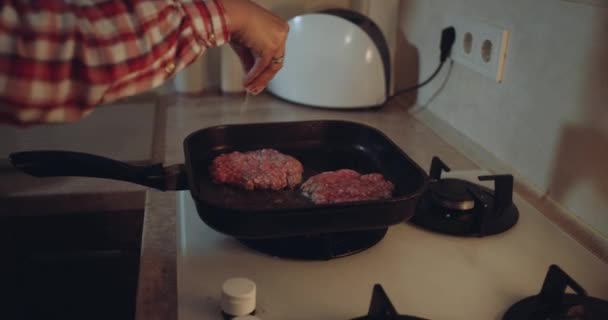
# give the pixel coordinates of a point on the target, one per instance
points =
(548, 119)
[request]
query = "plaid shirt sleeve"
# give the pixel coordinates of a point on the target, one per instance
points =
(59, 58)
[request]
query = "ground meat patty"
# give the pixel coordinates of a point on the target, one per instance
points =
(346, 185)
(259, 169)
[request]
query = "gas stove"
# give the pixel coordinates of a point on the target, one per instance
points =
(464, 208)
(421, 272)
(554, 303)
(551, 303)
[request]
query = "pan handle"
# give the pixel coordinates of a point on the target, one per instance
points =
(77, 164)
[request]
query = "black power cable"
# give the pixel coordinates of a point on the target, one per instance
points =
(448, 36)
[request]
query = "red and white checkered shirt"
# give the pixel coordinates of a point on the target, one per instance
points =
(60, 58)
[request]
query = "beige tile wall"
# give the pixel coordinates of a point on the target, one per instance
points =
(549, 117)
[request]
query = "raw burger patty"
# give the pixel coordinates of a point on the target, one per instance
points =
(259, 169)
(346, 185)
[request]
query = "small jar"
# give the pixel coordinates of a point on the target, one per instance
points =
(238, 298)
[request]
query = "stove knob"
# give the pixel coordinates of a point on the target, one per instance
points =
(238, 297)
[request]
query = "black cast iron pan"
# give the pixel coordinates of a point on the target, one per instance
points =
(319, 145)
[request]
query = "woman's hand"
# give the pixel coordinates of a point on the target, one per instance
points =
(258, 38)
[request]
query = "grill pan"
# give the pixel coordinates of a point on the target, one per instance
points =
(319, 145)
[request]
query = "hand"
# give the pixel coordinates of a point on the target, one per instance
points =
(258, 38)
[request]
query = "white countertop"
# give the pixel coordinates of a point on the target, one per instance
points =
(425, 274)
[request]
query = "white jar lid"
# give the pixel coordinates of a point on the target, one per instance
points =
(238, 296)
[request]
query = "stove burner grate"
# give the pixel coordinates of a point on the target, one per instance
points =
(459, 207)
(553, 303)
(381, 308)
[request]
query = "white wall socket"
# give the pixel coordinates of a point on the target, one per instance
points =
(480, 46)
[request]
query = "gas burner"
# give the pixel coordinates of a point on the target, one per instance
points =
(381, 308)
(460, 207)
(553, 303)
(453, 194)
(318, 247)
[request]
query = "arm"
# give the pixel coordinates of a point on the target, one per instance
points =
(59, 59)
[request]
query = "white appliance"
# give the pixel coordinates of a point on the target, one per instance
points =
(334, 59)
(425, 274)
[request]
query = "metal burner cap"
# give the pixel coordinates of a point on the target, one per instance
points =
(453, 194)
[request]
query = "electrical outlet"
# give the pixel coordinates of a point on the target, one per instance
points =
(480, 46)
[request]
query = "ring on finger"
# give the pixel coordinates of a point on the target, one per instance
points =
(277, 60)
